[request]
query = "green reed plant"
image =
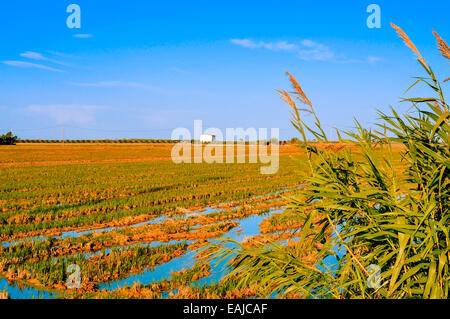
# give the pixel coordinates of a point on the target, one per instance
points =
(372, 227)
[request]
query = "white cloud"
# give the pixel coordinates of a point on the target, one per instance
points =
(60, 54)
(33, 55)
(284, 46)
(274, 46)
(143, 86)
(306, 49)
(309, 43)
(121, 84)
(38, 56)
(373, 59)
(22, 64)
(83, 35)
(315, 51)
(113, 84)
(67, 113)
(246, 43)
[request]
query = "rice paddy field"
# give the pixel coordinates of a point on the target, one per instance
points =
(130, 218)
(134, 222)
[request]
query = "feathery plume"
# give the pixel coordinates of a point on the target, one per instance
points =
(408, 42)
(287, 98)
(301, 96)
(443, 46)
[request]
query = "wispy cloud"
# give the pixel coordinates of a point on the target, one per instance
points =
(60, 54)
(373, 59)
(33, 55)
(274, 46)
(119, 84)
(138, 85)
(38, 56)
(83, 35)
(306, 49)
(67, 113)
(311, 50)
(22, 64)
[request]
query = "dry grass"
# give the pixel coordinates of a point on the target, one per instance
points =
(301, 96)
(443, 47)
(408, 42)
(395, 221)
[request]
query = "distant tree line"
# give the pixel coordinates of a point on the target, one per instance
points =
(115, 141)
(8, 139)
(99, 141)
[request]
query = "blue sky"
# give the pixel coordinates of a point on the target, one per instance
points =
(143, 68)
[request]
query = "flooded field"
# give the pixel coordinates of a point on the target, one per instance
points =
(132, 229)
(247, 227)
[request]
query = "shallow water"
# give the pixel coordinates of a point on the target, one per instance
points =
(75, 233)
(24, 292)
(202, 211)
(248, 227)
(159, 272)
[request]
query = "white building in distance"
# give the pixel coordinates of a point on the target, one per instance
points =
(207, 138)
